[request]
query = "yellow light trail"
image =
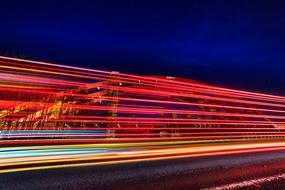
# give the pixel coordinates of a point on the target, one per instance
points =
(146, 153)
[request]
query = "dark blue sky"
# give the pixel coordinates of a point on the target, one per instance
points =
(232, 43)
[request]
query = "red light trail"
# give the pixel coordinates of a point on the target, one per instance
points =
(100, 117)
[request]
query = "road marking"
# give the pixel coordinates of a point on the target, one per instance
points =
(252, 182)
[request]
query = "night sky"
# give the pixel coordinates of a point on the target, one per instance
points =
(232, 43)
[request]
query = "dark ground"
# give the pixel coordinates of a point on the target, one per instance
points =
(189, 173)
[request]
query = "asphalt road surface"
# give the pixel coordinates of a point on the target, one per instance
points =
(240, 171)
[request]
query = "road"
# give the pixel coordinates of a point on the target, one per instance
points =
(210, 172)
